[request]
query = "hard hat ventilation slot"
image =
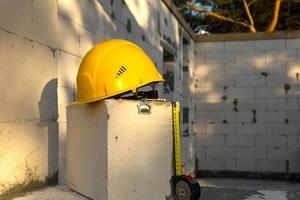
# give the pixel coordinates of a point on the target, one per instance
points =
(121, 70)
(122, 67)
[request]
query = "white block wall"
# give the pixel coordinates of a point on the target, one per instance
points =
(235, 80)
(28, 105)
(41, 46)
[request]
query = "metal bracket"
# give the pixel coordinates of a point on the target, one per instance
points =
(144, 108)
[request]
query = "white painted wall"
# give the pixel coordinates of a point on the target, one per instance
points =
(254, 72)
(41, 46)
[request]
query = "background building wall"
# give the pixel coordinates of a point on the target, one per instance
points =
(247, 107)
(41, 46)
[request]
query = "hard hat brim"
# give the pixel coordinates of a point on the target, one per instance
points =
(75, 103)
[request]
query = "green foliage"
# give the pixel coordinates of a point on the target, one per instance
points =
(262, 12)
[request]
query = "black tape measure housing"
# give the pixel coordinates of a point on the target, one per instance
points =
(186, 188)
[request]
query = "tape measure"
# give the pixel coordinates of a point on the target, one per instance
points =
(176, 135)
(184, 187)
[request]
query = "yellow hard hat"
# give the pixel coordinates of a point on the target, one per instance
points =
(113, 67)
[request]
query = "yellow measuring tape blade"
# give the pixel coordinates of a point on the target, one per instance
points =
(176, 129)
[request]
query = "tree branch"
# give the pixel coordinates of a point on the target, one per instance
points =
(274, 21)
(251, 27)
(293, 22)
(249, 4)
(215, 15)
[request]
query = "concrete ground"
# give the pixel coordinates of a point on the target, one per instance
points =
(248, 189)
(59, 192)
(212, 189)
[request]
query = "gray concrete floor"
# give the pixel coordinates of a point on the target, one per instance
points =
(59, 192)
(212, 189)
(245, 189)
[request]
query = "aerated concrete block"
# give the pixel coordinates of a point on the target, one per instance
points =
(69, 35)
(28, 154)
(293, 43)
(88, 40)
(277, 80)
(68, 66)
(201, 152)
(251, 153)
(89, 15)
(251, 104)
(283, 153)
(251, 128)
(239, 69)
(240, 92)
(220, 81)
(240, 116)
(240, 140)
(271, 116)
(65, 97)
(28, 80)
(293, 141)
(219, 57)
(250, 56)
(270, 141)
(263, 165)
(34, 20)
(282, 128)
(210, 46)
(104, 147)
(210, 140)
(250, 80)
(270, 68)
(269, 92)
(282, 104)
(220, 128)
(281, 55)
(294, 166)
(230, 164)
(269, 44)
(211, 164)
(293, 115)
(239, 45)
(245, 164)
(221, 152)
(209, 69)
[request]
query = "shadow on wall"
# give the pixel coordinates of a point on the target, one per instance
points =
(48, 109)
(101, 20)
